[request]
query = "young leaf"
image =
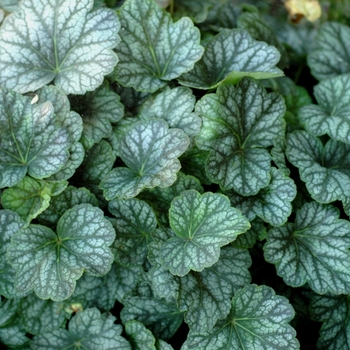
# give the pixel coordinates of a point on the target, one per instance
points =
(64, 201)
(258, 320)
(149, 150)
(98, 109)
(87, 329)
(134, 222)
(160, 316)
(202, 224)
(175, 106)
(31, 197)
(64, 41)
(31, 140)
(272, 203)
(230, 56)
(153, 49)
(239, 123)
(330, 56)
(139, 336)
(51, 263)
(333, 311)
(332, 114)
(313, 249)
(10, 223)
(325, 169)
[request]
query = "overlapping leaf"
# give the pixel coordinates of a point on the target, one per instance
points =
(333, 311)
(330, 56)
(50, 263)
(332, 114)
(88, 329)
(134, 223)
(313, 249)
(64, 41)
(10, 223)
(230, 56)
(31, 140)
(31, 197)
(149, 150)
(176, 107)
(239, 123)
(258, 320)
(153, 49)
(272, 203)
(139, 336)
(202, 224)
(325, 169)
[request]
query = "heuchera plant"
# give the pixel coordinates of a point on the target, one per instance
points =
(174, 174)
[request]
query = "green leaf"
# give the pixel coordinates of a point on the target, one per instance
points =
(153, 49)
(88, 330)
(31, 197)
(149, 150)
(51, 263)
(9, 5)
(324, 169)
(333, 311)
(134, 222)
(64, 201)
(249, 238)
(273, 203)
(10, 223)
(202, 224)
(41, 316)
(98, 109)
(223, 15)
(175, 106)
(196, 10)
(64, 41)
(160, 198)
(330, 55)
(139, 336)
(160, 316)
(258, 320)
(331, 115)
(205, 296)
(313, 249)
(230, 56)
(239, 123)
(31, 140)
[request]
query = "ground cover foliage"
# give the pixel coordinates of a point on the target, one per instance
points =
(174, 174)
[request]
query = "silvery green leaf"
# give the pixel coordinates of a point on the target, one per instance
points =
(149, 150)
(239, 123)
(324, 169)
(160, 316)
(249, 238)
(205, 296)
(131, 99)
(230, 56)
(139, 336)
(10, 223)
(273, 203)
(88, 330)
(162, 345)
(50, 263)
(30, 197)
(196, 10)
(64, 41)
(153, 49)
(31, 141)
(160, 198)
(333, 311)
(258, 320)
(9, 5)
(313, 249)
(330, 55)
(278, 155)
(70, 197)
(175, 106)
(332, 113)
(201, 225)
(223, 14)
(98, 110)
(41, 316)
(134, 223)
